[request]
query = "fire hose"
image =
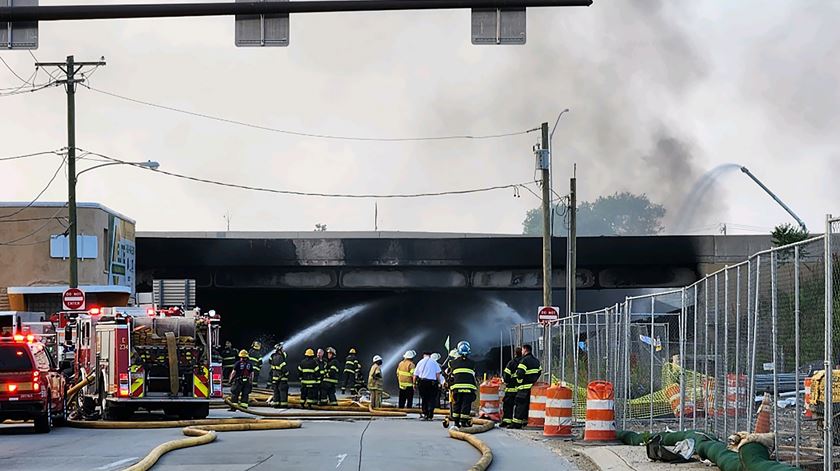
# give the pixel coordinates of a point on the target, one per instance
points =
(467, 434)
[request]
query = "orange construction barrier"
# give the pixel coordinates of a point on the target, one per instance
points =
(808, 413)
(762, 422)
(558, 412)
(736, 392)
(489, 406)
(536, 411)
(600, 412)
(673, 394)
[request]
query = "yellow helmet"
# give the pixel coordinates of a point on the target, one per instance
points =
(353, 350)
(243, 353)
(309, 353)
(256, 345)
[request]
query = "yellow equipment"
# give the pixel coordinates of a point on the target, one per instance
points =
(243, 353)
(309, 353)
(353, 351)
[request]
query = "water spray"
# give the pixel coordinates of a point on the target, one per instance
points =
(390, 359)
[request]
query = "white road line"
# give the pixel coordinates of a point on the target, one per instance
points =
(340, 459)
(117, 463)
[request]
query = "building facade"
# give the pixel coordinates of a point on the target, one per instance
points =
(34, 256)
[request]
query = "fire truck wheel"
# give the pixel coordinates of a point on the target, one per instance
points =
(118, 413)
(201, 411)
(43, 424)
(61, 419)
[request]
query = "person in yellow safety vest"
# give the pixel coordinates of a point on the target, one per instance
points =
(279, 377)
(308, 372)
(376, 382)
(329, 378)
(351, 368)
(228, 358)
(511, 387)
(240, 378)
(527, 373)
(255, 356)
(464, 386)
(405, 377)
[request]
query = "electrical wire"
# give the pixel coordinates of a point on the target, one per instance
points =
(36, 231)
(49, 183)
(27, 90)
(23, 156)
(13, 72)
(320, 194)
(310, 134)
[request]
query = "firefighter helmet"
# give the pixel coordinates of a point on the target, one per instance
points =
(353, 351)
(377, 358)
(464, 348)
(279, 346)
(309, 353)
(331, 350)
(435, 356)
(243, 353)
(409, 354)
(256, 345)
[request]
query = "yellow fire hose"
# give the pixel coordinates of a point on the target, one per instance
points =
(344, 412)
(466, 434)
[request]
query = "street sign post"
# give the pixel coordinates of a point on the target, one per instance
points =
(19, 34)
(548, 314)
(73, 299)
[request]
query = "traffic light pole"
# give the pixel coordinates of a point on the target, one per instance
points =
(70, 68)
(160, 10)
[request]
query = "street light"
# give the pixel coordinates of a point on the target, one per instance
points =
(71, 180)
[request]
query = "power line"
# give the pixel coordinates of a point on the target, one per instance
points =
(13, 71)
(23, 156)
(319, 194)
(39, 229)
(28, 205)
(310, 134)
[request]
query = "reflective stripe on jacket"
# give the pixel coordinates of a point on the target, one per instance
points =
(511, 385)
(405, 373)
(527, 372)
(309, 372)
(279, 369)
(352, 365)
(330, 373)
(375, 380)
(463, 375)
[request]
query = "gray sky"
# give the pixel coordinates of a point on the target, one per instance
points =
(660, 93)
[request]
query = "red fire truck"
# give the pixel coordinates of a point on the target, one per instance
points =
(149, 359)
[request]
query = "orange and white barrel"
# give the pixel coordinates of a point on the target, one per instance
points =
(673, 394)
(736, 393)
(808, 413)
(489, 398)
(558, 412)
(536, 411)
(600, 412)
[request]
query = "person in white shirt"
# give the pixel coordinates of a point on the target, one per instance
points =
(427, 375)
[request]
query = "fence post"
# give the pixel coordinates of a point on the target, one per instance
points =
(726, 352)
(652, 327)
(828, 457)
(717, 359)
(628, 312)
(774, 313)
(751, 397)
(683, 324)
(576, 361)
(737, 345)
(706, 352)
(798, 410)
(694, 364)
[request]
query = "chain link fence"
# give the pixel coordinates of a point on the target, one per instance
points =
(707, 356)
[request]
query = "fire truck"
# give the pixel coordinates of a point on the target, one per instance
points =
(147, 358)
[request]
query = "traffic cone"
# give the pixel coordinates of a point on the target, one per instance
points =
(762, 422)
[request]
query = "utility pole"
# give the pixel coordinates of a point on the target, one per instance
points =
(571, 257)
(545, 166)
(70, 69)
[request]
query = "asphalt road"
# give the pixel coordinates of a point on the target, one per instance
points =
(382, 444)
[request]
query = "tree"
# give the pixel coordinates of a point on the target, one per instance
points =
(320, 227)
(622, 214)
(787, 233)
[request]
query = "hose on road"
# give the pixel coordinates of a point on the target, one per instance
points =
(342, 412)
(467, 434)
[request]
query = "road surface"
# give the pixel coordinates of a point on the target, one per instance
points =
(382, 444)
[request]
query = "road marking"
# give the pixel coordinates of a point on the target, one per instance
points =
(117, 463)
(340, 459)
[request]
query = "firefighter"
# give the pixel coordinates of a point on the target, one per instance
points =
(446, 392)
(375, 382)
(351, 368)
(405, 378)
(527, 373)
(228, 358)
(308, 373)
(463, 385)
(279, 377)
(511, 387)
(322, 368)
(240, 379)
(329, 378)
(255, 356)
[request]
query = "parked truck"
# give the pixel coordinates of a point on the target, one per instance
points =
(147, 358)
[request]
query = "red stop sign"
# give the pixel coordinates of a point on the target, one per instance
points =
(548, 314)
(73, 299)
